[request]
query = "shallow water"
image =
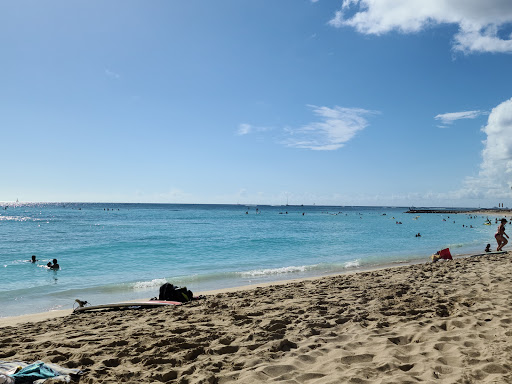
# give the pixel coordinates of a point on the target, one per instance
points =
(112, 252)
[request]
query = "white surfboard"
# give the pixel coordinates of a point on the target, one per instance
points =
(128, 304)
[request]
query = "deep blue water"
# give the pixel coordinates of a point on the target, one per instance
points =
(113, 252)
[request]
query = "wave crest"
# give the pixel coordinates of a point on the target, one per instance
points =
(149, 284)
(275, 271)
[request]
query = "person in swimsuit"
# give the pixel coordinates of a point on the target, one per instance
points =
(55, 265)
(500, 235)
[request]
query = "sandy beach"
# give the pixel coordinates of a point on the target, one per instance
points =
(446, 322)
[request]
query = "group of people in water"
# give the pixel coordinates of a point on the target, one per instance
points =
(55, 266)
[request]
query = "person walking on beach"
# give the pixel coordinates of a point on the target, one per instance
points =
(500, 235)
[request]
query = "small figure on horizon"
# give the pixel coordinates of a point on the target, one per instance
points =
(488, 248)
(33, 260)
(500, 235)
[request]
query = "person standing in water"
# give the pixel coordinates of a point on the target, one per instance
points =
(500, 235)
(55, 265)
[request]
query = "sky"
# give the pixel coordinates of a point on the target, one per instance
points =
(353, 102)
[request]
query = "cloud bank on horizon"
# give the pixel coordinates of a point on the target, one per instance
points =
(480, 22)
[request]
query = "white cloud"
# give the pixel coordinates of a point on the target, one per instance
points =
(495, 177)
(244, 129)
(336, 127)
(449, 118)
(479, 21)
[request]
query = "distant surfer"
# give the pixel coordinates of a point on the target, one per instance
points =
(33, 260)
(500, 235)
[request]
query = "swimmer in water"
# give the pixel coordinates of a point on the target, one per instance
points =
(55, 265)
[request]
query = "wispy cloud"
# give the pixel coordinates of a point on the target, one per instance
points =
(112, 74)
(448, 118)
(336, 127)
(245, 129)
(479, 21)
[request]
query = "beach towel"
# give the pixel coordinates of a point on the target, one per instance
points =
(37, 373)
(445, 254)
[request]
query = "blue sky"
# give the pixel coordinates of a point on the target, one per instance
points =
(371, 102)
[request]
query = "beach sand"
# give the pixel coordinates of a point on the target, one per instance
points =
(446, 322)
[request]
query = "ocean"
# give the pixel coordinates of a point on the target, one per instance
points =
(116, 252)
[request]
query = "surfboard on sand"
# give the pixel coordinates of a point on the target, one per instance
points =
(490, 253)
(128, 304)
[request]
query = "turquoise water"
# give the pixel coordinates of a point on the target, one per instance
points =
(113, 252)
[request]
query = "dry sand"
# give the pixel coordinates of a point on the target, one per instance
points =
(448, 322)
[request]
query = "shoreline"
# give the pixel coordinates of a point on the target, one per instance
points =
(479, 211)
(43, 316)
(445, 321)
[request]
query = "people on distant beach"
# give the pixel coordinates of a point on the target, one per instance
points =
(488, 248)
(33, 260)
(500, 235)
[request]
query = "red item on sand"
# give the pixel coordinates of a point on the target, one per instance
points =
(445, 254)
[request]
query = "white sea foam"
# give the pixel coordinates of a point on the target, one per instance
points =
(16, 218)
(149, 284)
(353, 264)
(274, 271)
